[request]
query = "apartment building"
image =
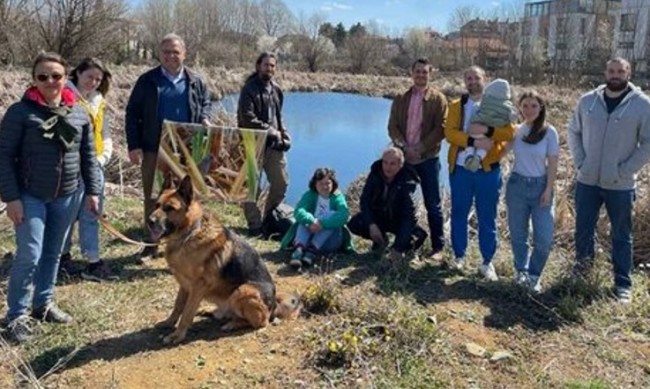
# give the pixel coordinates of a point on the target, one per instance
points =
(571, 33)
(632, 35)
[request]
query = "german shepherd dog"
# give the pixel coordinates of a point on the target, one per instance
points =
(212, 263)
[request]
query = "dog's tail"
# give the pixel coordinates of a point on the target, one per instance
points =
(288, 306)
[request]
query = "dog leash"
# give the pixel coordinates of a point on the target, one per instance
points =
(115, 232)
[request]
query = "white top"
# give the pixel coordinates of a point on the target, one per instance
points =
(468, 110)
(530, 160)
(322, 207)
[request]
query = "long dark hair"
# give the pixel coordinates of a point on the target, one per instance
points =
(324, 172)
(263, 55)
(89, 63)
(538, 129)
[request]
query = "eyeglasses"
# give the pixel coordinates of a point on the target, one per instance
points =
(45, 77)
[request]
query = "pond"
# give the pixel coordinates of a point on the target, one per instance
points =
(345, 132)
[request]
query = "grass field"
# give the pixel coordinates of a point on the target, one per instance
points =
(366, 326)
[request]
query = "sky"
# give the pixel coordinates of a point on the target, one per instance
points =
(393, 15)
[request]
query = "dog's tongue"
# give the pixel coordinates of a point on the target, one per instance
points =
(156, 233)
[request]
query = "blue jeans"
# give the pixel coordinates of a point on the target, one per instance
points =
(522, 199)
(481, 188)
(428, 171)
(618, 203)
(39, 239)
(326, 241)
(88, 223)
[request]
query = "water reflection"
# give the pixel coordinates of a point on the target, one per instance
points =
(346, 132)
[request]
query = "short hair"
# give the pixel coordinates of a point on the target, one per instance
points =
(321, 173)
(93, 63)
(474, 69)
(49, 56)
(423, 61)
(395, 151)
(171, 37)
(620, 60)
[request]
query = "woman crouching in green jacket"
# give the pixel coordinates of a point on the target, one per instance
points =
(321, 215)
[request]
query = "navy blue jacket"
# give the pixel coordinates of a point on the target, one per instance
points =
(142, 123)
(40, 166)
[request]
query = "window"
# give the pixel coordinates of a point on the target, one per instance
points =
(583, 26)
(585, 5)
(626, 45)
(538, 9)
(628, 22)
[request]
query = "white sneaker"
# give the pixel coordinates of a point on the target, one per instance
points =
(457, 263)
(521, 278)
(624, 295)
(534, 284)
(488, 272)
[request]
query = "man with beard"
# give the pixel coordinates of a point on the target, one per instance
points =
(260, 107)
(609, 137)
(481, 186)
(417, 118)
(170, 91)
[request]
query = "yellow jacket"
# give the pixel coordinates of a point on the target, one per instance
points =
(457, 138)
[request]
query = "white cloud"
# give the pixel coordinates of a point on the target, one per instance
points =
(329, 6)
(495, 4)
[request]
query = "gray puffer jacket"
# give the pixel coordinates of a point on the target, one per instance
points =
(41, 166)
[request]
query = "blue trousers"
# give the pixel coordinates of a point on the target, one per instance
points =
(39, 239)
(428, 171)
(482, 189)
(618, 203)
(522, 199)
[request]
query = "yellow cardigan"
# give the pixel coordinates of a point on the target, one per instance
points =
(457, 138)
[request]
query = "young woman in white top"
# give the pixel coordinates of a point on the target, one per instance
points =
(529, 191)
(90, 81)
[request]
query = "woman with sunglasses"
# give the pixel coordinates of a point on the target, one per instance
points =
(46, 142)
(90, 81)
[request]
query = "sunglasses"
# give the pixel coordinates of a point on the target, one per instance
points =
(45, 77)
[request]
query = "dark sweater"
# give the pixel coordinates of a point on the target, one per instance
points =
(42, 167)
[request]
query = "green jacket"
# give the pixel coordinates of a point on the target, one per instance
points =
(304, 214)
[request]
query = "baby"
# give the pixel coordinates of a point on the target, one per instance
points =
(495, 110)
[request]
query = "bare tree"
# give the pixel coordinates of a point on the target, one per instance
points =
(312, 47)
(76, 28)
(275, 18)
(13, 15)
(417, 43)
(364, 50)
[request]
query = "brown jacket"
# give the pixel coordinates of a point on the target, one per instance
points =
(434, 115)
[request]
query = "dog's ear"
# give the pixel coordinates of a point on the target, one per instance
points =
(185, 190)
(168, 182)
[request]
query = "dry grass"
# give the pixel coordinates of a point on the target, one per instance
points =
(407, 327)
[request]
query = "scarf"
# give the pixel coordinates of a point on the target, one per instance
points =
(56, 126)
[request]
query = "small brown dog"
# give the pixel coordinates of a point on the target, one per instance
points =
(212, 263)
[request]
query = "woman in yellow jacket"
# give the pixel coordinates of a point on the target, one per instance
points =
(90, 81)
(481, 186)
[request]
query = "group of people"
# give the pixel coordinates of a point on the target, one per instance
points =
(609, 139)
(56, 141)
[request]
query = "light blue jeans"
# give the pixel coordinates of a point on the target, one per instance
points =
(522, 199)
(88, 223)
(326, 240)
(39, 239)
